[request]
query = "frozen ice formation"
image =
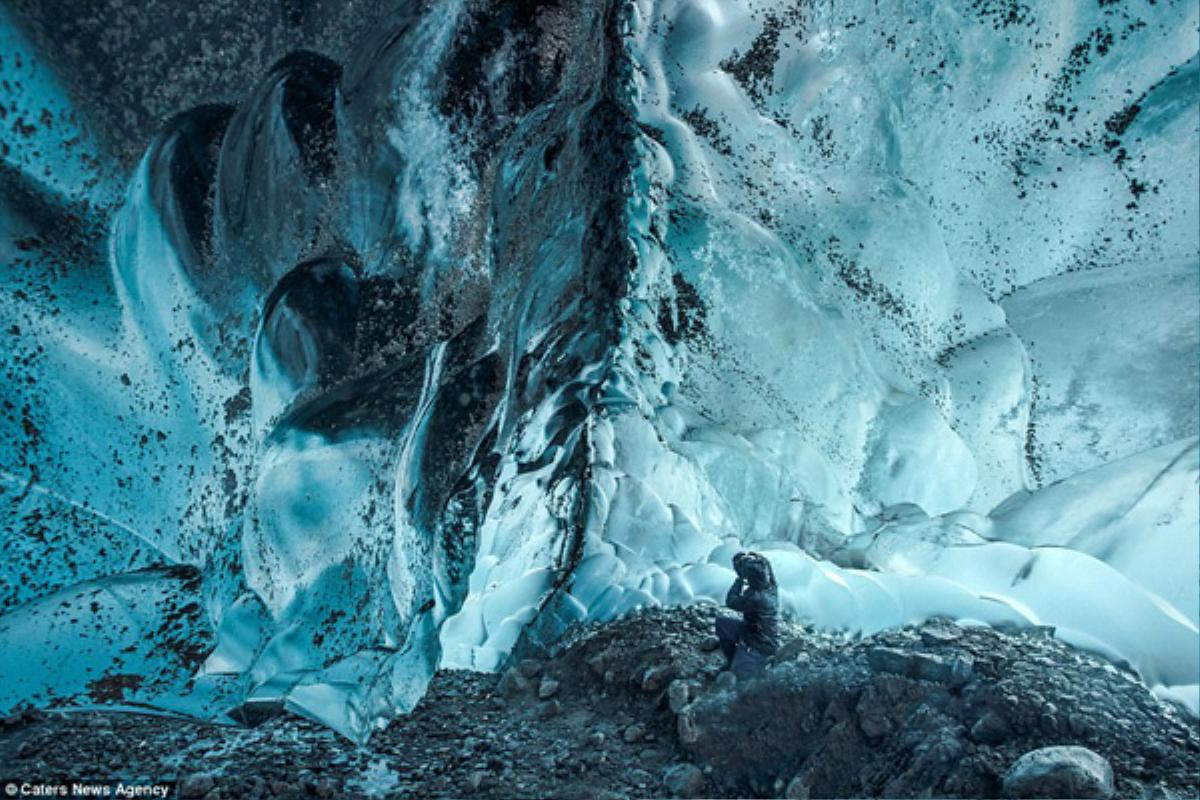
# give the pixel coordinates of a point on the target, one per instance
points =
(529, 313)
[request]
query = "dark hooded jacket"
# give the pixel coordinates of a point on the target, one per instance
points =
(757, 597)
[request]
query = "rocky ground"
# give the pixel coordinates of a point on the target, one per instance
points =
(637, 708)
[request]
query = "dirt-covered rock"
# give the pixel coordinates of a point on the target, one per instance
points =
(940, 710)
(639, 709)
(684, 780)
(1070, 772)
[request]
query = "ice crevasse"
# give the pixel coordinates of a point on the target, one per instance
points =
(533, 313)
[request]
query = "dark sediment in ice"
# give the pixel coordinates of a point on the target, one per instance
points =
(131, 65)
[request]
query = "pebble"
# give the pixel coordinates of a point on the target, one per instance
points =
(686, 728)
(195, 785)
(639, 778)
(281, 788)
(941, 635)
(797, 789)
(512, 683)
(547, 688)
(874, 721)
(655, 678)
(480, 780)
(530, 668)
(634, 732)
(678, 695)
(990, 729)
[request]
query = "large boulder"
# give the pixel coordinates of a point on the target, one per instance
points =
(953, 670)
(1064, 771)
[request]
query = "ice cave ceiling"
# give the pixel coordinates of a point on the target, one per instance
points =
(346, 340)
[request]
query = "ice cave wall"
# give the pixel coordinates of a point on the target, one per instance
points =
(529, 313)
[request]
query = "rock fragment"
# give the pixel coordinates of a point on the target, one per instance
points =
(512, 683)
(684, 780)
(726, 680)
(547, 688)
(686, 728)
(195, 786)
(874, 721)
(991, 728)
(480, 779)
(655, 678)
(1060, 772)
(678, 695)
(530, 668)
(941, 634)
(797, 789)
(953, 671)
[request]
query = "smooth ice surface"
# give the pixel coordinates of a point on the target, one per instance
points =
(520, 317)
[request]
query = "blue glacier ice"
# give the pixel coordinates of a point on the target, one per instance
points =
(530, 314)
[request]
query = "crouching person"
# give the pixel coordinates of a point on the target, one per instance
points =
(748, 642)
